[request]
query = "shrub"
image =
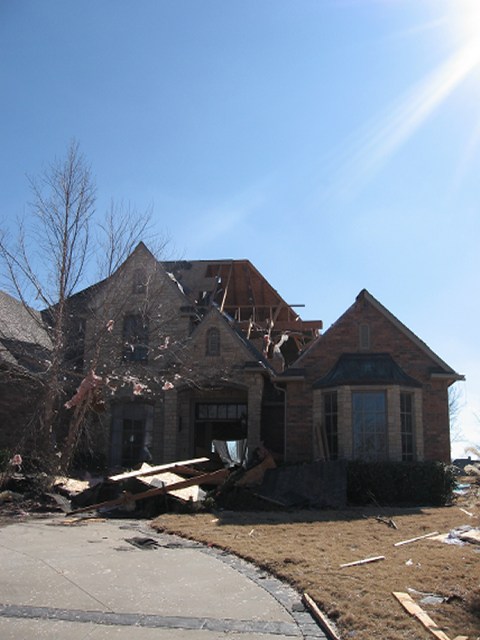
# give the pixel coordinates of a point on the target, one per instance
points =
(400, 483)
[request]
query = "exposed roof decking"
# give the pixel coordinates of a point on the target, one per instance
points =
(239, 290)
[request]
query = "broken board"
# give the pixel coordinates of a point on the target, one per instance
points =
(414, 609)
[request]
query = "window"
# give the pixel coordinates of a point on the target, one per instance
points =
(406, 422)
(139, 281)
(135, 338)
(330, 417)
(227, 411)
(369, 416)
(213, 342)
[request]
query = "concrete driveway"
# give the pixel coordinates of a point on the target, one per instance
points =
(103, 580)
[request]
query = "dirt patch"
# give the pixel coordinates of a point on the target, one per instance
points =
(306, 548)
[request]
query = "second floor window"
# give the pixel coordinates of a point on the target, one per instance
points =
(135, 338)
(139, 281)
(213, 342)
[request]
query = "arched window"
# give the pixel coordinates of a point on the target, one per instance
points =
(213, 342)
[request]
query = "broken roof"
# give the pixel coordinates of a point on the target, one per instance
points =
(239, 290)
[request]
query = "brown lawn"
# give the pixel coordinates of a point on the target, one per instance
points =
(306, 548)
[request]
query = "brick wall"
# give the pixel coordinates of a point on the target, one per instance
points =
(385, 337)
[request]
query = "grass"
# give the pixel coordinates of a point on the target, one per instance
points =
(306, 548)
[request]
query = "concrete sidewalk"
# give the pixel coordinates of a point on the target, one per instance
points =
(88, 581)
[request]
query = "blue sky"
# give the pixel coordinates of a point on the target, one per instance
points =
(334, 143)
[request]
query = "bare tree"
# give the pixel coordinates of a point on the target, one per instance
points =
(50, 261)
(47, 263)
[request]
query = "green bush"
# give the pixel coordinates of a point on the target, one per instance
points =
(399, 483)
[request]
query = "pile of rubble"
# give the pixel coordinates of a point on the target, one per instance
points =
(186, 485)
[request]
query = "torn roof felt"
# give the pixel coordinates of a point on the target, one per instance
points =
(366, 369)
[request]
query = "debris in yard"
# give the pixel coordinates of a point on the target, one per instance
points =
(388, 521)
(415, 610)
(147, 470)
(193, 494)
(460, 536)
(143, 543)
(472, 470)
(461, 489)
(129, 498)
(364, 561)
(426, 535)
(322, 620)
(254, 476)
(466, 512)
(10, 496)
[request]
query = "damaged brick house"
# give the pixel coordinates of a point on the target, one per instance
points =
(191, 353)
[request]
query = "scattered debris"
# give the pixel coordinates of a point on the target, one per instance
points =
(415, 610)
(254, 476)
(147, 470)
(126, 499)
(320, 617)
(10, 496)
(460, 536)
(426, 535)
(472, 469)
(364, 561)
(142, 542)
(388, 521)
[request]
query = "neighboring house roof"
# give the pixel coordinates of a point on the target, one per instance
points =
(366, 368)
(24, 340)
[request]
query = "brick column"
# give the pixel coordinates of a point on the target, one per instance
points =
(255, 394)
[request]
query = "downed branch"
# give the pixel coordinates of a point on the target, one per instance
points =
(390, 522)
(364, 561)
(427, 535)
(320, 617)
(415, 610)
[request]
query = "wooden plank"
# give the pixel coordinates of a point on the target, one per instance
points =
(415, 610)
(364, 561)
(126, 497)
(151, 471)
(427, 535)
(320, 617)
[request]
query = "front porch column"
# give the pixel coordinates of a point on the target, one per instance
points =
(255, 395)
(170, 426)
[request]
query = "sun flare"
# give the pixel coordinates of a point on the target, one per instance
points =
(466, 21)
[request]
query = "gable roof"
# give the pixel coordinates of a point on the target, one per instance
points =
(257, 358)
(443, 369)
